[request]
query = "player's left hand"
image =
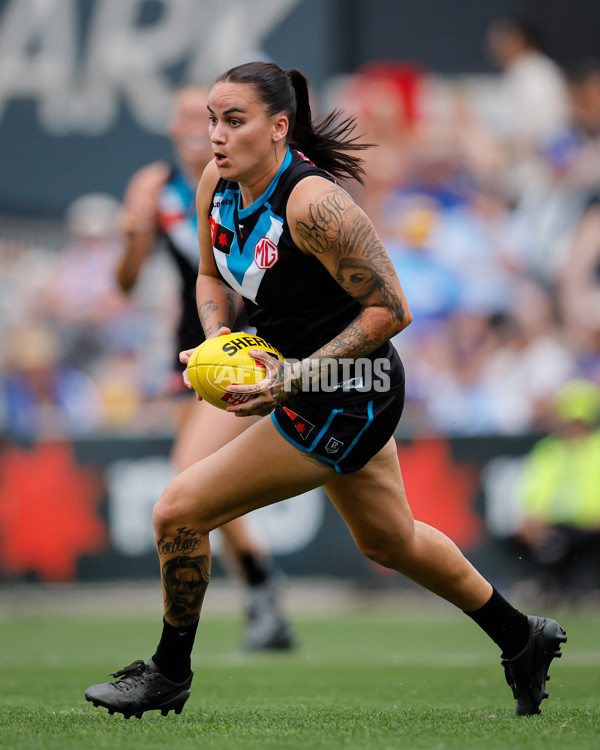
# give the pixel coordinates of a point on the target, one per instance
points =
(280, 383)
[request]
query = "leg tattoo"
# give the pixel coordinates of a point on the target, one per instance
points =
(185, 581)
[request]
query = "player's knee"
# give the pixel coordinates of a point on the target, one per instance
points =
(164, 516)
(174, 510)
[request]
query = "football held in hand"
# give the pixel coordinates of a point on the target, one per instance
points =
(223, 361)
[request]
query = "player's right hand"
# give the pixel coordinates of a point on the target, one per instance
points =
(184, 358)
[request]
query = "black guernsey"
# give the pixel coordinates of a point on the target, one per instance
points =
(291, 298)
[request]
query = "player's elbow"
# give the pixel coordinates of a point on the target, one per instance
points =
(396, 319)
(404, 317)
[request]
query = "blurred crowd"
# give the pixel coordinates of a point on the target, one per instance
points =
(486, 193)
(80, 357)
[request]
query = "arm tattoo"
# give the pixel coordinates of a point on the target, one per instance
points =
(358, 339)
(207, 308)
(326, 217)
(363, 269)
(227, 311)
(185, 580)
(371, 283)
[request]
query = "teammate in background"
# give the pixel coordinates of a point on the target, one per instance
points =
(259, 189)
(160, 203)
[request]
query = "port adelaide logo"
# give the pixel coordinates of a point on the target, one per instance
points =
(333, 445)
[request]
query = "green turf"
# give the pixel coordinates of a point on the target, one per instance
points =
(362, 681)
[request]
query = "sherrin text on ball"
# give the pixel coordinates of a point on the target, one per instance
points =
(223, 361)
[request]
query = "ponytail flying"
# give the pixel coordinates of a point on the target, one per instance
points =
(329, 143)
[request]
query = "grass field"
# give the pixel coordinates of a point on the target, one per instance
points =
(364, 680)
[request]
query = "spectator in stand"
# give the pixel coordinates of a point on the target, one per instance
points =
(432, 289)
(530, 106)
(530, 361)
(560, 493)
(579, 283)
(575, 151)
(578, 153)
(485, 246)
(385, 98)
(121, 345)
(561, 210)
(533, 91)
(448, 384)
(492, 373)
(43, 398)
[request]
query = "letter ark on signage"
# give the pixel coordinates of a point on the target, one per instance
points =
(266, 253)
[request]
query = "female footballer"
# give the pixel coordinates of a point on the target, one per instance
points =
(324, 292)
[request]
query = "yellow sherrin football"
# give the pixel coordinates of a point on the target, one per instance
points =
(223, 361)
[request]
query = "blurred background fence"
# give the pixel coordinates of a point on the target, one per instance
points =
(485, 187)
(82, 509)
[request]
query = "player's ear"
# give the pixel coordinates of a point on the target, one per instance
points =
(281, 125)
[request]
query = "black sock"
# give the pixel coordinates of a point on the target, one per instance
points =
(504, 624)
(173, 654)
(255, 571)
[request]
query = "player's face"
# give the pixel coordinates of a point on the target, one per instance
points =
(189, 127)
(243, 135)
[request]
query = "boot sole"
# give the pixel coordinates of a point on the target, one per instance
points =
(174, 704)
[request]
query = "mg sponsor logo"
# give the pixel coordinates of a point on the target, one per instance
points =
(266, 254)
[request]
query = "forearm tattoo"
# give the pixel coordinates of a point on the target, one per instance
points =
(363, 268)
(207, 308)
(227, 311)
(358, 339)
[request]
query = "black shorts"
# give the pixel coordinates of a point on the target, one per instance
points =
(344, 429)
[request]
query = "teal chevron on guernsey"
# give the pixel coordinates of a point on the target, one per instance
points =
(239, 266)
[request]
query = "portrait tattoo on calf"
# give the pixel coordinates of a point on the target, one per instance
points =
(185, 581)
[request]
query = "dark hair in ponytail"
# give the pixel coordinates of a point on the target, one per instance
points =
(326, 142)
